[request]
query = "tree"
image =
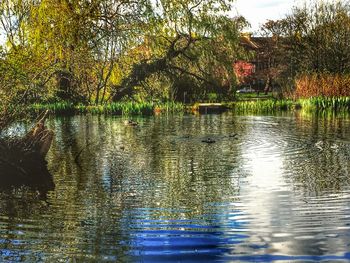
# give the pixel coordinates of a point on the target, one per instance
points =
(316, 37)
(273, 51)
(92, 50)
(85, 38)
(189, 39)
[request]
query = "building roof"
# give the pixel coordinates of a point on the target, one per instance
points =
(254, 43)
(247, 42)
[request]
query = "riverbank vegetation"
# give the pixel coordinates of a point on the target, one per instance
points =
(114, 108)
(266, 104)
(118, 57)
(313, 104)
(110, 51)
(322, 85)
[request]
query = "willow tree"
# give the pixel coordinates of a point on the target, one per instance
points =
(91, 50)
(84, 39)
(191, 39)
(17, 75)
(73, 44)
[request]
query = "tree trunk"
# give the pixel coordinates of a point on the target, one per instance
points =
(22, 160)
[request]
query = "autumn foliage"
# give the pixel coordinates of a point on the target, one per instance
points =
(243, 70)
(318, 85)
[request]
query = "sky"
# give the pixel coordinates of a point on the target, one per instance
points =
(258, 11)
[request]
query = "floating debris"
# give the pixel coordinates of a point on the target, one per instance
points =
(319, 145)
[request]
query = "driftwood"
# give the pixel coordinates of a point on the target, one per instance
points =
(22, 160)
(39, 138)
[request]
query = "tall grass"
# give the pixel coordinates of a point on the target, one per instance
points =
(335, 104)
(115, 108)
(58, 107)
(326, 103)
(331, 104)
(263, 106)
(322, 92)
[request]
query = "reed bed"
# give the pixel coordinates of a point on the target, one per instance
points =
(264, 106)
(115, 108)
(337, 104)
(57, 108)
(322, 85)
(334, 104)
(331, 104)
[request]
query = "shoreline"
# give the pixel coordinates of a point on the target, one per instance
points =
(333, 104)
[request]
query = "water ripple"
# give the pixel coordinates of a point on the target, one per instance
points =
(270, 189)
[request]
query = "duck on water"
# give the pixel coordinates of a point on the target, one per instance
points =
(208, 140)
(131, 123)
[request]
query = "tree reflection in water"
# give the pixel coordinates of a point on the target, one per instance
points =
(156, 192)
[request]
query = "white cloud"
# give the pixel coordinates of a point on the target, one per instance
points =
(258, 11)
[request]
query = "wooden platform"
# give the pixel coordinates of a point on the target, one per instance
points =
(206, 108)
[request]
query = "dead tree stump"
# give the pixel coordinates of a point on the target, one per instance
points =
(22, 160)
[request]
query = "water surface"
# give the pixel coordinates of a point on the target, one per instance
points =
(272, 188)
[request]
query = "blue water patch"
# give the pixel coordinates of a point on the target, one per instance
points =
(156, 240)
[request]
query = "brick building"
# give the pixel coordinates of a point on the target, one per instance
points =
(260, 72)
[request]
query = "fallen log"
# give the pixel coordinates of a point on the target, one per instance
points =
(22, 160)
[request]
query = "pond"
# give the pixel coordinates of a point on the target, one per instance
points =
(271, 188)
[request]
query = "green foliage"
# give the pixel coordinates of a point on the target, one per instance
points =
(102, 53)
(88, 51)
